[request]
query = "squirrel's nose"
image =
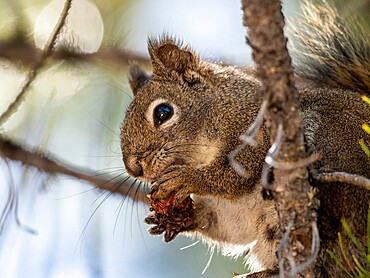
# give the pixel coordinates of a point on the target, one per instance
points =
(135, 170)
(133, 167)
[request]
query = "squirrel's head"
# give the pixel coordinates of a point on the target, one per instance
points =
(164, 124)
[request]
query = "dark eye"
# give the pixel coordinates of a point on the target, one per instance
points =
(162, 113)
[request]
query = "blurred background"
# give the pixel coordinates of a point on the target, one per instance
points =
(57, 226)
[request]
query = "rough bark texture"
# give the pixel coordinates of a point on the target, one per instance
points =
(295, 201)
(344, 177)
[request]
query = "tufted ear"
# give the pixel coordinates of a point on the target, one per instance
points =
(170, 59)
(137, 78)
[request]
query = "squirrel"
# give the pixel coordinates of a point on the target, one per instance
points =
(186, 118)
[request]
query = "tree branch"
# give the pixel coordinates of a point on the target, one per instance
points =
(38, 63)
(51, 165)
(292, 190)
(344, 177)
(26, 54)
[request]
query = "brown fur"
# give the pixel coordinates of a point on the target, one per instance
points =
(330, 50)
(189, 153)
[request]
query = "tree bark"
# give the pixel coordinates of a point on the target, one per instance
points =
(295, 201)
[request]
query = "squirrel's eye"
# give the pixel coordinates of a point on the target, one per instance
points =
(162, 113)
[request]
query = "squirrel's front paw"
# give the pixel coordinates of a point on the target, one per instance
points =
(168, 219)
(170, 200)
(175, 179)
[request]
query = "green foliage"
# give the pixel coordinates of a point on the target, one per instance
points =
(367, 130)
(355, 270)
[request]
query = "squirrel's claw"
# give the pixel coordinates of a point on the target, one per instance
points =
(172, 180)
(170, 235)
(156, 230)
(151, 219)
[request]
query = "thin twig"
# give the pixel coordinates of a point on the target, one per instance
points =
(283, 244)
(235, 164)
(58, 27)
(293, 165)
(251, 133)
(26, 54)
(271, 155)
(344, 177)
(51, 165)
(11, 205)
(315, 248)
(12, 108)
(9, 202)
(247, 138)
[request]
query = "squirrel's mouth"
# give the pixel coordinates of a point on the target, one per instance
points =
(156, 175)
(152, 176)
(145, 172)
(145, 179)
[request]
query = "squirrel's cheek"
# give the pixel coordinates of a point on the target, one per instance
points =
(207, 152)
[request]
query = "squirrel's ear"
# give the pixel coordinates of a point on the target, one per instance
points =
(173, 58)
(137, 78)
(170, 59)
